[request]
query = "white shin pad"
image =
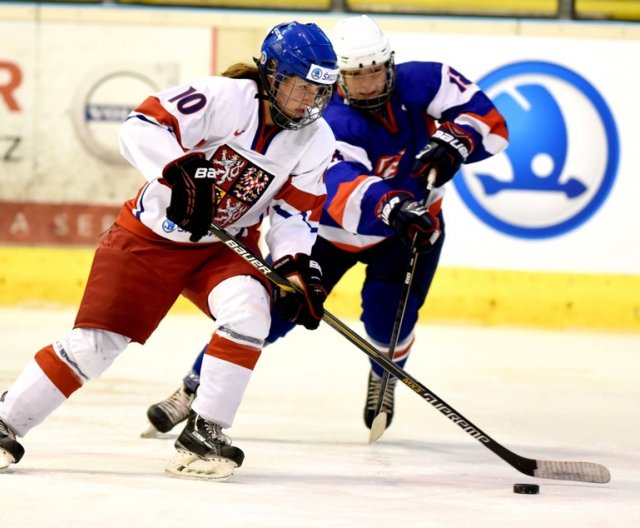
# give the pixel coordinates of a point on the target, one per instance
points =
(241, 307)
(33, 396)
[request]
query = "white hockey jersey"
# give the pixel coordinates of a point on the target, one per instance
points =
(260, 169)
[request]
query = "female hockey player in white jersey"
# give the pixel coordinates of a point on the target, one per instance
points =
(393, 125)
(228, 148)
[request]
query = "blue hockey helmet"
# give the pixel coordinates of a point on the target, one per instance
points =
(298, 50)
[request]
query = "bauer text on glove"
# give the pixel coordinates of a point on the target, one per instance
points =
(448, 148)
(304, 307)
(410, 218)
(193, 194)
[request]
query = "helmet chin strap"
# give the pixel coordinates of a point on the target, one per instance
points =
(265, 100)
(275, 116)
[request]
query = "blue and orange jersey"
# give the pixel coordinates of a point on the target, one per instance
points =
(376, 150)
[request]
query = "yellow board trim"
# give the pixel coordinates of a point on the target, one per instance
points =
(617, 9)
(529, 7)
(56, 277)
(324, 5)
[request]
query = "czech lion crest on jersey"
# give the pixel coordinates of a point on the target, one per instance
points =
(239, 184)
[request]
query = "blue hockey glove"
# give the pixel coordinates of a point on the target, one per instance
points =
(448, 148)
(193, 194)
(410, 218)
(304, 307)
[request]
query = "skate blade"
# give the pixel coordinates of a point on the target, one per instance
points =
(187, 465)
(378, 427)
(152, 432)
(6, 459)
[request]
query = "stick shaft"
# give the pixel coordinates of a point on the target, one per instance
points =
(577, 471)
(404, 299)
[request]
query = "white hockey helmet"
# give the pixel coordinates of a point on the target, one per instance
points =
(360, 43)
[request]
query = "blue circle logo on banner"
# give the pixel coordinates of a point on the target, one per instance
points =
(562, 157)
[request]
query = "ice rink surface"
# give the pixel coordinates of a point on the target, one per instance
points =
(545, 395)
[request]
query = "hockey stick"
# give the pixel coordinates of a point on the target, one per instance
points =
(379, 423)
(576, 471)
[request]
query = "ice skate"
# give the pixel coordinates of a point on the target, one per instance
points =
(10, 450)
(373, 390)
(204, 452)
(165, 415)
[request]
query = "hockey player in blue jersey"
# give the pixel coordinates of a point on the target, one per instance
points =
(393, 125)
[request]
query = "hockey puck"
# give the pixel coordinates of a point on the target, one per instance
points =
(527, 489)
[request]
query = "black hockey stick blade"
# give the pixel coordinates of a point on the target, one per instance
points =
(557, 470)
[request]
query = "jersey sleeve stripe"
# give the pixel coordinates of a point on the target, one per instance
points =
(302, 201)
(450, 95)
(348, 152)
(491, 127)
(351, 242)
(152, 108)
(345, 192)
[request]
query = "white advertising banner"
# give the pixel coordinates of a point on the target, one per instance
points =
(565, 194)
(18, 102)
(564, 197)
(88, 78)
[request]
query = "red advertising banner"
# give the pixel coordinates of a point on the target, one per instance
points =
(54, 224)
